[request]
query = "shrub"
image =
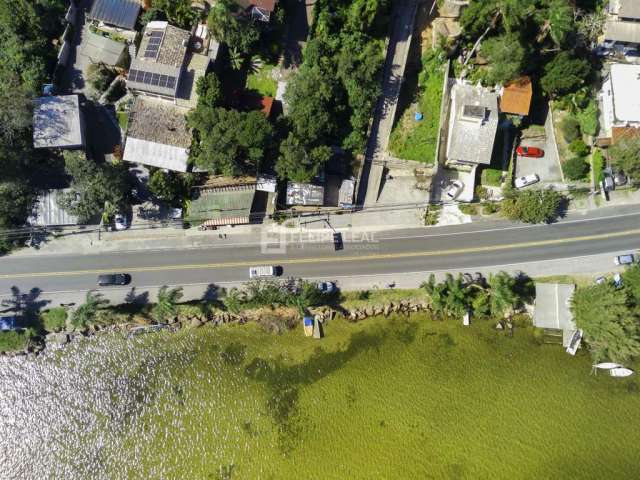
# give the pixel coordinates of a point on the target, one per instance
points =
(364, 295)
(578, 147)
(491, 176)
(468, 209)
(532, 206)
(432, 215)
(575, 168)
(489, 207)
(597, 162)
(588, 118)
(54, 320)
(570, 128)
(13, 341)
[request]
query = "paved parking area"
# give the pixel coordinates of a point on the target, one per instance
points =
(547, 167)
(446, 177)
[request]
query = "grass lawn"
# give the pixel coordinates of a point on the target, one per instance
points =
(262, 82)
(123, 120)
(416, 140)
(491, 177)
(397, 398)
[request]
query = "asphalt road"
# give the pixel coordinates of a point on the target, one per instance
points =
(398, 252)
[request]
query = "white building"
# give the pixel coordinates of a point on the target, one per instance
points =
(620, 99)
(57, 122)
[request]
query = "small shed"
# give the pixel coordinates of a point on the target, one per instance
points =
(553, 309)
(266, 183)
(307, 194)
(516, 97)
(57, 122)
(48, 212)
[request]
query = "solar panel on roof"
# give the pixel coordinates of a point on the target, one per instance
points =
(171, 82)
(132, 75)
(163, 81)
(156, 33)
(154, 41)
(149, 54)
(155, 79)
(147, 77)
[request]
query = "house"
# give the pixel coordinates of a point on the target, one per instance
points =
(117, 16)
(306, 194)
(553, 310)
(157, 135)
(473, 124)
(619, 101)
(158, 67)
(516, 97)
(220, 206)
(100, 49)
(58, 122)
(258, 9)
(47, 211)
(622, 28)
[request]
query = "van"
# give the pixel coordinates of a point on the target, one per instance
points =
(265, 271)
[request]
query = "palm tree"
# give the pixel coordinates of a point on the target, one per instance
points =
(166, 306)
(86, 312)
(503, 294)
(457, 296)
(236, 59)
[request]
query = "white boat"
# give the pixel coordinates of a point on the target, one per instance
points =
(620, 372)
(607, 365)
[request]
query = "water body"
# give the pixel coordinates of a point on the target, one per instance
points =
(159, 405)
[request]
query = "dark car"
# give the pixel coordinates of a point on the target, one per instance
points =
(337, 241)
(113, 279)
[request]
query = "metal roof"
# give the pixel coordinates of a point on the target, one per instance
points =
(102, 49)
(628, 32)
(629, 9)
(57, 122)
(48, 211)
(230, 205)
(120, 13)
(305, 194)
(156, 154)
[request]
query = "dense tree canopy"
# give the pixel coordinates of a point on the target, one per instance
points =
(229, 142)
(611, 326)
(93, 185)
(228, 25)
(299, 163)
(507, 58)
(625, 154)
(564, 74)
(532, 206)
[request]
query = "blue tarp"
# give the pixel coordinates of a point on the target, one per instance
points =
(308, 321)
(8, 323)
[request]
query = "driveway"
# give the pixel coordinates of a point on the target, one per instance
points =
(547, 167)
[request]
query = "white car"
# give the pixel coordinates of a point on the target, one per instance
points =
(527, 180)
(121, 222)
(454, 190)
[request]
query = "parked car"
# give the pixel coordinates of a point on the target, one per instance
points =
(534, 152)
(265, 271)
(620, 178)
(109, 279)
(454, 190)
(121, 222)
(527, 180)
(626, 259)
(326, 287)
(600, 280)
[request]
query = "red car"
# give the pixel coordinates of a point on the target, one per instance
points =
(530, 152)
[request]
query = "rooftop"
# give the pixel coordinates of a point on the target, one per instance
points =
(473, 124)
(629, 9)
(267, 5)
(625, 85)
(160, 58)
(516, 97)
(157, 135)
(120, 13)
(102, 49)
(617, 31)
(553, 307)
(230, 205)
(57, 122)
(47, 211)
(305, 194)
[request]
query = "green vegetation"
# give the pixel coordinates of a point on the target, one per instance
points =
(570, 128)
(86, 313)
(576, 168)
(532, 206)
(123, 120)
(177, 12)
(416, 140)
(578, 147)
(273, 293)
(506, 55)
(432, 215)
(597, 163)
(491, 177)
(299, 163)
(170, 187)
(610, 317)
(55, 319)
(564, 74)
(13, 341)
(166, 305)
(262, 82)
(625, 154)
(468, 208)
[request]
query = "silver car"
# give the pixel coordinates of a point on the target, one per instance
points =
(527, 180)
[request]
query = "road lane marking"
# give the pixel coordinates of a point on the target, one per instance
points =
(355, 258)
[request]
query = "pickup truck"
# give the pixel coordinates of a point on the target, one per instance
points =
(265, 271)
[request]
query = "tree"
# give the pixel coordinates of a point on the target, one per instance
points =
(477, 17)
(559, 22)
(503, 296)
(578, 147)
(570, 128)
(449, 298)
(299, 163)
(86, 312)
(631, 282)
(507, 58)
(532, 206)
(209, 90)
(16, 198)
(228, 141)
(588, 118)
(229, 26)
(177, 12)
(610, 327)
(564, 74)
(625, 154)
(576, 168)
(92, 185)
(166, 305)
(166, 186)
